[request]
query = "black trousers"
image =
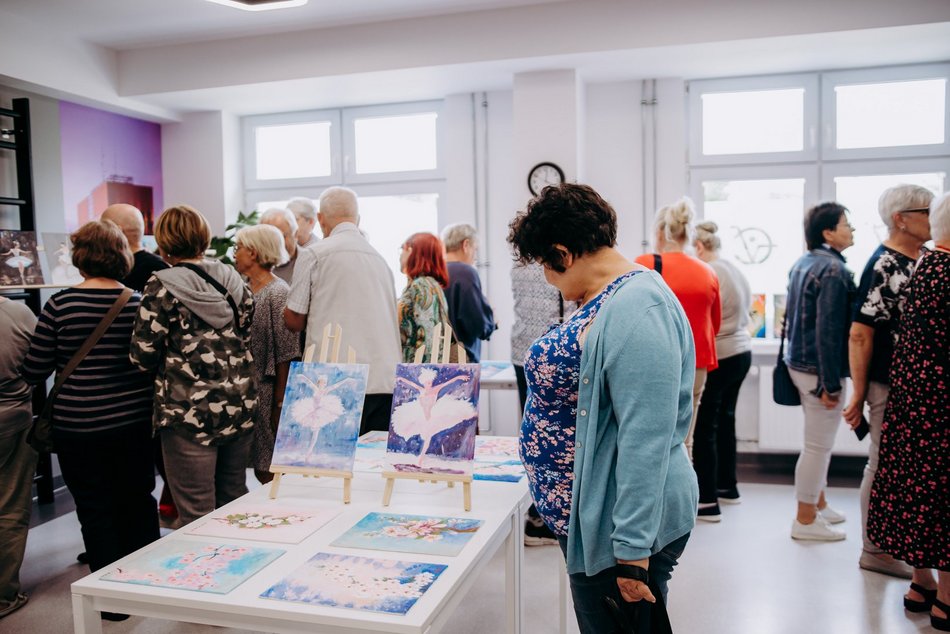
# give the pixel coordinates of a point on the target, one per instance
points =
(377, 409)
(714, 440)
(522, 387)
(111, 477)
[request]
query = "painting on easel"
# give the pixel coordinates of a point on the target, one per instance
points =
(320, 420)
(434, 418)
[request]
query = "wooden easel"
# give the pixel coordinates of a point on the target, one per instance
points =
(334, 357)
(441, 341)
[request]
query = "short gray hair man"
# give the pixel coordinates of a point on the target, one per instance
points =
(286, 223)
(454, 236)
(337, 204)
(306, 214)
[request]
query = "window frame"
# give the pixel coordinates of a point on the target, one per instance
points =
(249, 126)
(891, 74)
(348, 128)
(697, 88)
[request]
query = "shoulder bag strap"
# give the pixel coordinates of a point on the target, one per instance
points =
(218, 286)
(658, 263)
(781, 345)
(87, 345)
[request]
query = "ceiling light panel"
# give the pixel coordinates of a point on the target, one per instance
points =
(260, 5)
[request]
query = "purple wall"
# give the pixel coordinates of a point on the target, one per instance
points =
(96, 145)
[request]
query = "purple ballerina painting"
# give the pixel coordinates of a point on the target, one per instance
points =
(434, 418)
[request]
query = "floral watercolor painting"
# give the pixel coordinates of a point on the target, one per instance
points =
(320, 420)
(496, 446)
(434, 418)
(191, 565)
(420, 534)
(358, 583)
(264, 522)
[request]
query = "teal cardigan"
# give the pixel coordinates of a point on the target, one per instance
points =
(634, 488)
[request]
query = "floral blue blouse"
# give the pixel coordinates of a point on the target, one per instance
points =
(552, 368)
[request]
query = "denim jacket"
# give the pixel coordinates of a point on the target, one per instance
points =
(820, 294)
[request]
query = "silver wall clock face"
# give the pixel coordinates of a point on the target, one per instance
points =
(542, 175)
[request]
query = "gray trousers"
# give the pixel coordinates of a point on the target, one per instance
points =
(876, 400)
(17, 466)
(203, 478)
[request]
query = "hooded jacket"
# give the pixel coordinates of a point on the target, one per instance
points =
(185, 332)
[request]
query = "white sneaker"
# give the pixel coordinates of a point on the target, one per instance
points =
(832, 516)
(819, 530)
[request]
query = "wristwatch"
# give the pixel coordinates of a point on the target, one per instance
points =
(628, 571)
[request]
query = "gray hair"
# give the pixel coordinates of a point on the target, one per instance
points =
(338, 203)
(454, 235)
(303, 208)
(674, 220)
(280, 212)
(706, 235)
(901, 197)
(940, 218)
(266, 241)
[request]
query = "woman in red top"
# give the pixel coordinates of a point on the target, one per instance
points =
(696, 286)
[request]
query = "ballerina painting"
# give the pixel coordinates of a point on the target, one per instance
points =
(19, 261)
(320, 420)
(434, 419)
(59, 256)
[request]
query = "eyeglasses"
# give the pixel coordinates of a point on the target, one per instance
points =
(918, 210)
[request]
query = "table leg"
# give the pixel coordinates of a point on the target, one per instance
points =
(514, 565)
(86, 619)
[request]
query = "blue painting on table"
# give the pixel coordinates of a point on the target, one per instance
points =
(320, 419)
(422, 534)
(358, 583)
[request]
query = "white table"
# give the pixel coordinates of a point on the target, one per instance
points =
(500, 505)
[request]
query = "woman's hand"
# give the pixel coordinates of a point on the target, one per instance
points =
(632, 590)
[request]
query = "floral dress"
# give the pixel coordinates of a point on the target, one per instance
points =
(552, 368)
(421, 306)
(910, 499)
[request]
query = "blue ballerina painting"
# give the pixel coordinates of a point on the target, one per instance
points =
(434, 418)
(320, 419)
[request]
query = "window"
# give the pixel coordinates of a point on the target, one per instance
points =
(758, 158)
(389, 155)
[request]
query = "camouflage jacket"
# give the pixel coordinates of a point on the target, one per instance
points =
(204, 386)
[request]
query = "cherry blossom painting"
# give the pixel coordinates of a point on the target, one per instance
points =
(434, 418)
(191, 565)
(264, 522)
(444, 536)
(358, 583)
(320, 420)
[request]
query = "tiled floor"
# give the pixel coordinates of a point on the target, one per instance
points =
(742, 576)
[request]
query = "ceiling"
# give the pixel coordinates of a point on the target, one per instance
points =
(158, 59)
(129, 24)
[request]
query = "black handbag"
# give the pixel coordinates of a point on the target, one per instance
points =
(784, 391)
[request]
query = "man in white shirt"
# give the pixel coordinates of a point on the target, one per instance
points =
(306, 214)
(343, 280)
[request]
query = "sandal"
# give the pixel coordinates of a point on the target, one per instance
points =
(941, 623)
(912, 605)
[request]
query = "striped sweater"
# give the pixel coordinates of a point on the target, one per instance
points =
(105, 392)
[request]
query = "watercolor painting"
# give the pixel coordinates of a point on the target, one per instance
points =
(358, 583)
(778, 301)
(264, 522)
(59, 258)
(19, 259)
(756, 325)
(434, 418)
(501, 471)
(493, 368)
(496, 446)
(420, 534)
(373, 440)
(320, 420)
(191, 565)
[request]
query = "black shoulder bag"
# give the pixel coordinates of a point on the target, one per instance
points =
(784, 391)
(658, 263)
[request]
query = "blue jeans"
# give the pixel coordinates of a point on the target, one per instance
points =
(590, 593)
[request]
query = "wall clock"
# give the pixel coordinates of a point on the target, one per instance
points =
(542, 175)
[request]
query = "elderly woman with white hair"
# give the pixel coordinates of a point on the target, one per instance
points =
(306, 214)
(880, 301)
(909, 509)
(258, 250)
